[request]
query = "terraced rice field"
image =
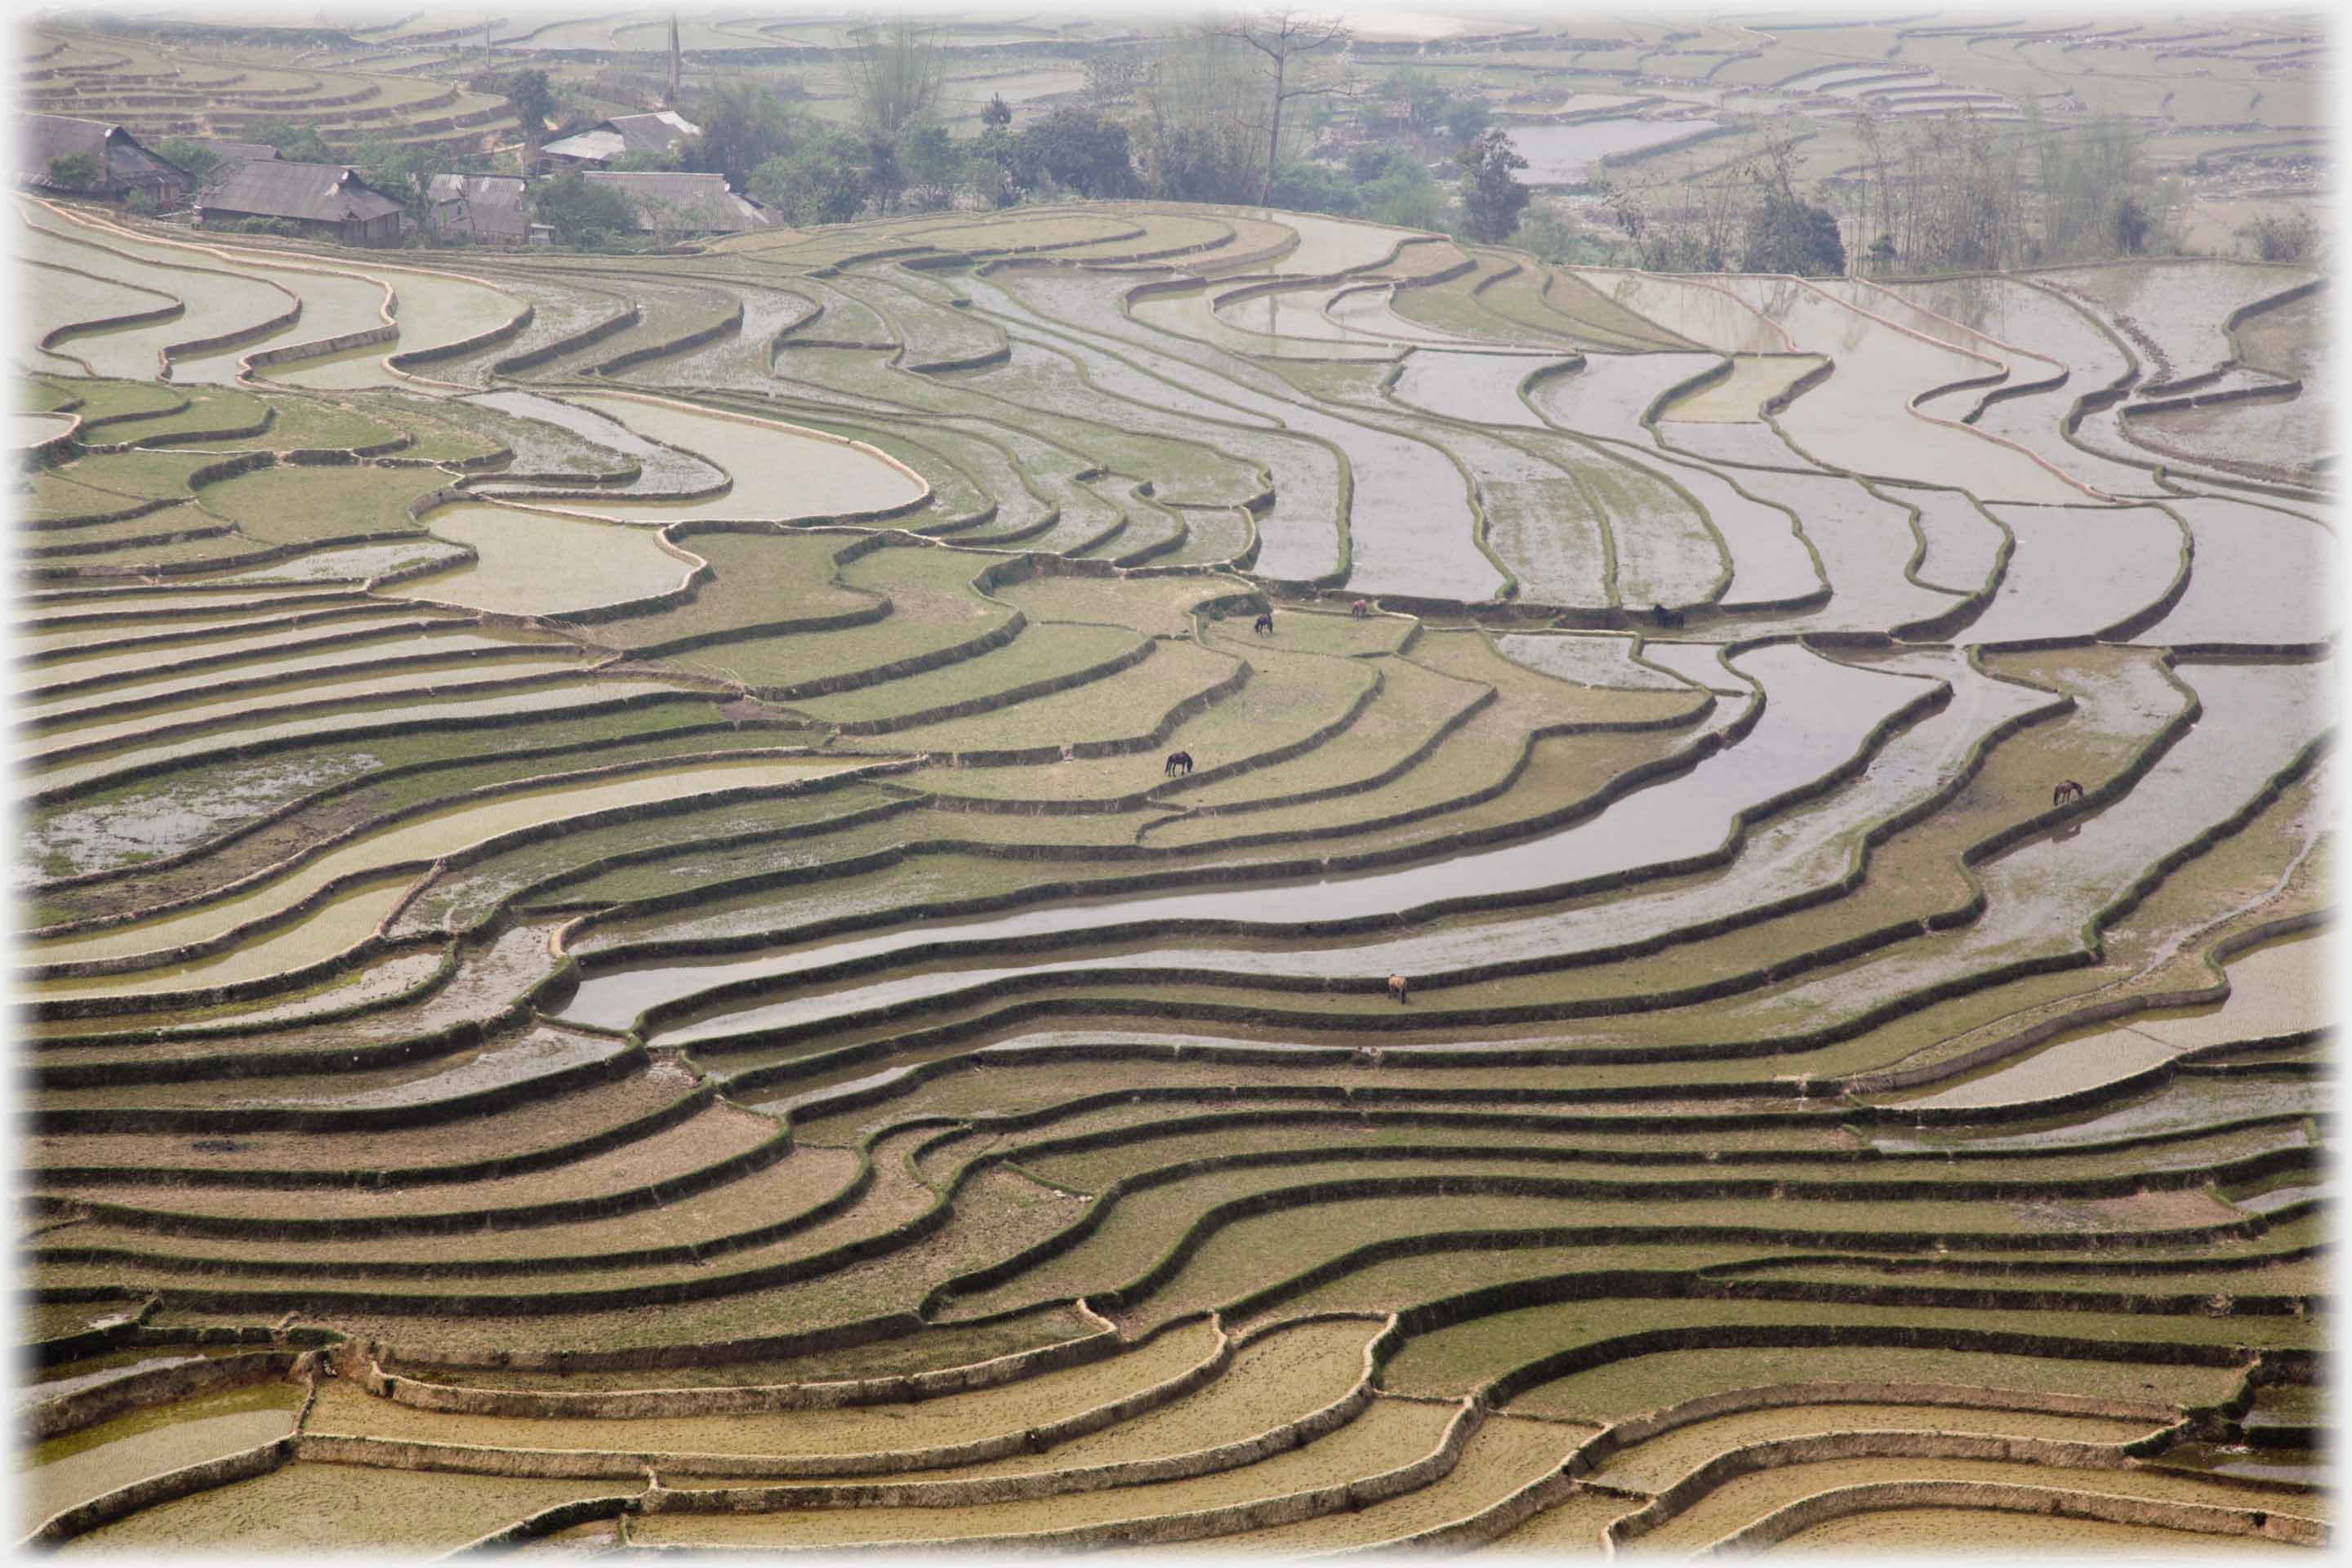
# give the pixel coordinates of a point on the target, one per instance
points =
(774, 928)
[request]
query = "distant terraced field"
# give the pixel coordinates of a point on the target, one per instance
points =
(613, 953)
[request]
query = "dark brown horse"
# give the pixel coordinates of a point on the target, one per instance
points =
(2067, 789)
(1180, 761)
(1361, 607)
(1263, 626)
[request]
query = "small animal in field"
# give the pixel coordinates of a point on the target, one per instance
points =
(1263, 626)
(1662, 616)
(1397, 987)
(1180, 761)
(1360, 608)
(2067, 789)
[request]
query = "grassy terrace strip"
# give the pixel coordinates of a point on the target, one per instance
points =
(618, 957)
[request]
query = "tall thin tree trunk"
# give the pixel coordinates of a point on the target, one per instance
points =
(1273, 136)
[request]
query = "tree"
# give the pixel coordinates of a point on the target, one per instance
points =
(528, 93)
(996, 114)
(1465, 116)
(929, 159)
(1191, 144)
(820, 182)
(75, 172)
(2280, 237)
(197, 160)
(1314, 188)
(1491, 193)
(299, 143)
(1114, 77)
(1075, 149)
(1551, 233)
(894, 80)
(1785, 235)
(1280, 36)
(743, 126)
(583, 215)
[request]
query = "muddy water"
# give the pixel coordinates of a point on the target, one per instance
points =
(1483, 388)
(113, 731)
(23, 430)
(1858, 418)
(287, 663)
(2183, 1103)
(780, 472)
(2078, 570)
(1711, 316)
(1817, 714)
(69, 1470)
(1373, 312)
(1411, 527)
(662, 469)
(68, 295)
(2042, 895)
(1327, 244)
(420, 840)
(430, 310)
(2258, 575)
(536, 563)
(1194, 317)
(1611, 393)
(1866, 545)
(1755, 379)
(334, 926)
(1963, 542)
(355, 564)
(333, 303)
(217, 301)
(446, 700)
(1564, 154)
(2181, 305)
(1770, 563)
(1596, 660)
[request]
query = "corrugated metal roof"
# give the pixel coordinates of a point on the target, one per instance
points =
(659, 132)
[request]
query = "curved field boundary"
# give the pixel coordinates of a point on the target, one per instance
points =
(2057, 1453)
(489, 1460)
(2056, 1502)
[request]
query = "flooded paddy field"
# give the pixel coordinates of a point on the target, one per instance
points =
(1123, 874)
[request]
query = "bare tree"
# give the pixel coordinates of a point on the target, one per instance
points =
(1279, 35)
(895, 77)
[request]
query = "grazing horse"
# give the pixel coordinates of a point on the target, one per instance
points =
(1263, 626)
(1360, 608)
(2067, 789)
(1662, 616)
(1180, 761)
(1398, 985)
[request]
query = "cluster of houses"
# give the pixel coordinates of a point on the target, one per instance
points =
(334, 201)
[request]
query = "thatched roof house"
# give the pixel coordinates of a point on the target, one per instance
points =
(681, 204)
(482, 209)
(326, 201)
(125, 167)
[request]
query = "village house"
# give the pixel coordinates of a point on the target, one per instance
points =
(125, 167)
(480, 209)
(680, 207)
(663, 130)
(325, 200)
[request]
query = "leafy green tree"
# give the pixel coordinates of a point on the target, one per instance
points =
(822, 181)
(1551, 233)
(1077, 150)
(996, 114)
(198, 160)
(1491, 195)
(75, 171)
(583, 215)
(928, 159)
(1314, 188)
(299, 143)
(743, 126)
(1465, 116)
(532, 98)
